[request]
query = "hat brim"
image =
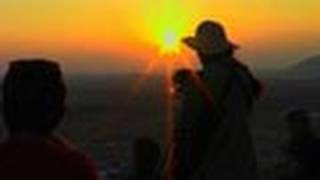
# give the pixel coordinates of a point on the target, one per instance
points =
(193, 43)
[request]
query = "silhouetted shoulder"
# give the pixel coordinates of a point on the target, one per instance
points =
(83, 164)
(78, 162)
(56, 158)
(248, 79)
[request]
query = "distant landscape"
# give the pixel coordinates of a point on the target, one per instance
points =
(103, 118)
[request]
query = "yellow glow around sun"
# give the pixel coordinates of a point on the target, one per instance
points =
(170, 43)
(167, 25)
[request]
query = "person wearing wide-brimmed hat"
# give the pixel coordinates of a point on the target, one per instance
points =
(212, 136)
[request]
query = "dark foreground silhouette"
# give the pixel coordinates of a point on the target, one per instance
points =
(302, 158)
(213, 138)
(34, 99)
(146, 156)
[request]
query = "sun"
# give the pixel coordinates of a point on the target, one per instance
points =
(170, 43)
(166, 23)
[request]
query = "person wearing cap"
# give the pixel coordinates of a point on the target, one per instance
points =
(33, 107)
(303, 147)
(212, 135)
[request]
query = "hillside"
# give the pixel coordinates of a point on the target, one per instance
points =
(306, 69)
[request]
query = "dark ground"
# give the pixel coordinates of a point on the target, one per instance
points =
(100, 120)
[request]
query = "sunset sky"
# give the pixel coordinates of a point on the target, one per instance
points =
(123, 35)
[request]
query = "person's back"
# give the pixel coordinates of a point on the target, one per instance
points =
(33, 97)
(230, 145)
(213, 139)
(221, 141)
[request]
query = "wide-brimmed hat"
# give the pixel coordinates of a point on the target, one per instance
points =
(210, 38)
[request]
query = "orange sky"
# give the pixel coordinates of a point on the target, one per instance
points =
(122, 35)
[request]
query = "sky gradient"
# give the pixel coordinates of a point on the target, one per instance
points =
(123, 35)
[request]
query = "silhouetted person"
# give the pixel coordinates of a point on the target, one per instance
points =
(33, 105)
(303, 148)
(146, 157)
(212, 137)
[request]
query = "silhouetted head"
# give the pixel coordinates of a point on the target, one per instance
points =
(146, 155)
(210, 41)
(33, 96)
(181, 78)
(298, 122)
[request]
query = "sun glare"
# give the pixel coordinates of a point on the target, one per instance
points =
(170, 44)
(166, 23)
